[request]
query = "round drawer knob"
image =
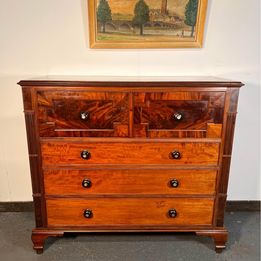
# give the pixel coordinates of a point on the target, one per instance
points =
(87, 213)
(172, 213)
(84, 115)
(174, 183)
(177, 116)
(86, 183)
(175, 154)
(85, 154)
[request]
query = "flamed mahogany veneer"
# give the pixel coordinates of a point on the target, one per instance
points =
(130, 155)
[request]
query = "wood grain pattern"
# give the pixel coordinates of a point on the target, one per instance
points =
(214, 130)
(221, 205)
(219, 236)
(193, 82)
(170, 134)
(34, 169)
(227, 145)
(31, 132)
(65, 152)
(130, 134)
(39, 211)
(127, 211)
(27, 98)
(223, 184)
(69, 182)
(156, 110)
(231, 121)
(34, 159)
(59, 114)
(233, 103)
(39, 237)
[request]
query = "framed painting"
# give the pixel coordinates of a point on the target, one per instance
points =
(147, 23)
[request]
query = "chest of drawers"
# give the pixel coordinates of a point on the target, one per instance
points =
(130, 155)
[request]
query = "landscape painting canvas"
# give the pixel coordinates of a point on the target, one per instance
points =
(146, 23)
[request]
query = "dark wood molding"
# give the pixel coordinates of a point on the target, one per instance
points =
(241, 205)
(133, 83)
(35, 160)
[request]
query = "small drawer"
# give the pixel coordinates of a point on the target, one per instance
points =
(174, 153)
(143, 181)
(178, 114)
(69, 113)
(129, 211)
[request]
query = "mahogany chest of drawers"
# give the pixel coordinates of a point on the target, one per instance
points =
(130, 155)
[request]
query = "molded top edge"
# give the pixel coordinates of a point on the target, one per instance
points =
(130, 81)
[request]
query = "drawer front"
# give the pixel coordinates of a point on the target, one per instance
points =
(62, 153)
(129, 211)
(178, 114)
(70, 113)
(168, 182)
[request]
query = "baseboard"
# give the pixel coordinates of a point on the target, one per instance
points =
(16, 206)
(231, 206)
(243, 205)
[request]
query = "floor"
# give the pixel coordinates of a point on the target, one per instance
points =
(243, 245)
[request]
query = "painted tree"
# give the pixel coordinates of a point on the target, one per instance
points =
(104, 13)
(191, 12)
(141, 14)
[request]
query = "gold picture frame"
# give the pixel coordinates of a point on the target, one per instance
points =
(146, 23)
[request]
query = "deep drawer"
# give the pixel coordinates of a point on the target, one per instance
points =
(168, 182)
(175, 153)
(129, 211)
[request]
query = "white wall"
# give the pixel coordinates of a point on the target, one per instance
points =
(51, 37)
